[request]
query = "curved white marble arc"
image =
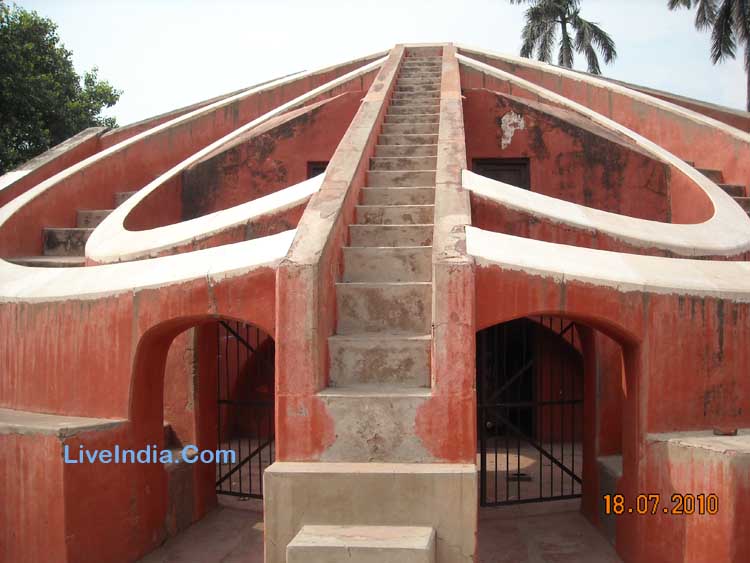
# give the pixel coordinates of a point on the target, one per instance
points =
(613, 86)
(726, 233)
(112, 242)
(33, 285)
(622, 272)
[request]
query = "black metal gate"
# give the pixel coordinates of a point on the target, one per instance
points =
(245, 373)
(530, 401)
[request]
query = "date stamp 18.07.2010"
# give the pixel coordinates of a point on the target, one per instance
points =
(678, 504)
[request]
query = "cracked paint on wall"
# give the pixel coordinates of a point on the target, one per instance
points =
(510, 123)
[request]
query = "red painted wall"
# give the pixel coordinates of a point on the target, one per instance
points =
(570, 158)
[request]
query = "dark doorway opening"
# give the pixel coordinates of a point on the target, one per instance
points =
(530, 411)
(514, 171)
(245, 392)
(316, 168)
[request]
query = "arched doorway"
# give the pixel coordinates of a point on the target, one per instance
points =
(218, 401)
(530, 394)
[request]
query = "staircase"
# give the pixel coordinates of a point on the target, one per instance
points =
(65, 246)
(736, 191)
(383, 337)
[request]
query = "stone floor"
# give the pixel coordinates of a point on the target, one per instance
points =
(551, 532)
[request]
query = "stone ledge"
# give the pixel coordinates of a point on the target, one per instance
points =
(29, 423)
(706, 440)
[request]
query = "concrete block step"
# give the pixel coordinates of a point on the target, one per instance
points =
(398, 196)
(65, 241)
(403, 163)
(395, 214)
(414, 118)
(713, 175)
(421, 64)
(387, 264)
(733, 190)
(384, 308)
(362, 544)
(412, 107)
(428, 74)
(427, 96)
(120, 197)
(375, 423)
(390, 235)
(380, 360)
(402, 139)
(90, 218)
(49, 261)
(417, 88)
(410, 128)
(405, 150)
(418, 81)
(744, 202)
(400, 178)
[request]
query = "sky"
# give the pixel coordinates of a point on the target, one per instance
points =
(165, 54)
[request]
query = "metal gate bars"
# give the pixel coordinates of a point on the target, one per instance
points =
(530, 411)
(245, 374)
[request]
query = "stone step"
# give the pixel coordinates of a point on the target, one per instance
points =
(384, 308)
(380, 360)
(68, 241)
(428, 74)
(733, 190)
(400, 178)
(403, 163)
(398, 196)
(429, 96)
(395, 214)
(402, 139)
(49, 261)
(713, 175)
(413, 118)
(421, 64)
(375, 423)
(90, 218)
(410, 128)
(413, 108)
(387, 264)
(120, 197)
(362, 544)
(417, 88)
(744, 202)
(385, 151)
(390, 235)
(417, 81)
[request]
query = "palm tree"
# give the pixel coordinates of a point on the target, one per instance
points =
(544, 17)
(729, 21)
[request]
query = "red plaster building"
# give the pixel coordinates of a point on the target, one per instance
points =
(399, 289)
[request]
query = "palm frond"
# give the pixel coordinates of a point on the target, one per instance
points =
(741, 14)
(592, 61)
(705, 15)
(723, 43)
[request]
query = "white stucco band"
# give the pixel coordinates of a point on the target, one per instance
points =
(110, 242)
(623, 272)
(33, 285)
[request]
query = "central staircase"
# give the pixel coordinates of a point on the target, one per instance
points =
(380, 355)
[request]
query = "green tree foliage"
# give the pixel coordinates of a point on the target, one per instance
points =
(729, 22)
(43, 101)
(546, 18)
